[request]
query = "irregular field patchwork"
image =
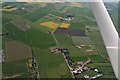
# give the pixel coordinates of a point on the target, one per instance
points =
(40, 38)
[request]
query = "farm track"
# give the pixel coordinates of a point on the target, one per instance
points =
(62, 53)
(54, 35)
(68, 66)
(35, 68)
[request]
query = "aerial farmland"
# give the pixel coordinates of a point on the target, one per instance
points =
(52, 40)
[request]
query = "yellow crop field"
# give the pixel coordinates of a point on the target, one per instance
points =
(76, 4)
(50, 24)
(1, 2)
(6, 7)
(64, 25)
(10, 8)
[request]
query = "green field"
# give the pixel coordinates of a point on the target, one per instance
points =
(106, 68)
(16, 33)
(81, 40)
(64, 40)
(58, 14)
(17, 68)
(7, 18)
(75, 54)
(77, 25)
(83, 11)
(34, 16)
(40, 39)
(51, 65)
(97, 39)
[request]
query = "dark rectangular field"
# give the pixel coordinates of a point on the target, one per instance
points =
(72, 32)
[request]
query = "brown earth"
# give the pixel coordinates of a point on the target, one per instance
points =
(17, 51)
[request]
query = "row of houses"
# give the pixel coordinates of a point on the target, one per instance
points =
(33, 68)
(81, 66)
(2, 56)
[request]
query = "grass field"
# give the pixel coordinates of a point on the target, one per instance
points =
(77, 25)
(75, 53)
(56, 13)
(83, 11)
(4, 40)
(17, 51)
(16, 33)
(21, 24)
(64, 40)
(50, 65)
(60, 6)
(106, 68)
(51, 15)
(89, 23)
(80, 58)
(34, 16)
(81, 40)
(17, 68)
(90, 73)
(98, 42)
(40, 39)
(7, 18)
(96, 58)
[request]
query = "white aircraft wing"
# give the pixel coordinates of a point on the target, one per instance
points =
(108, 32)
